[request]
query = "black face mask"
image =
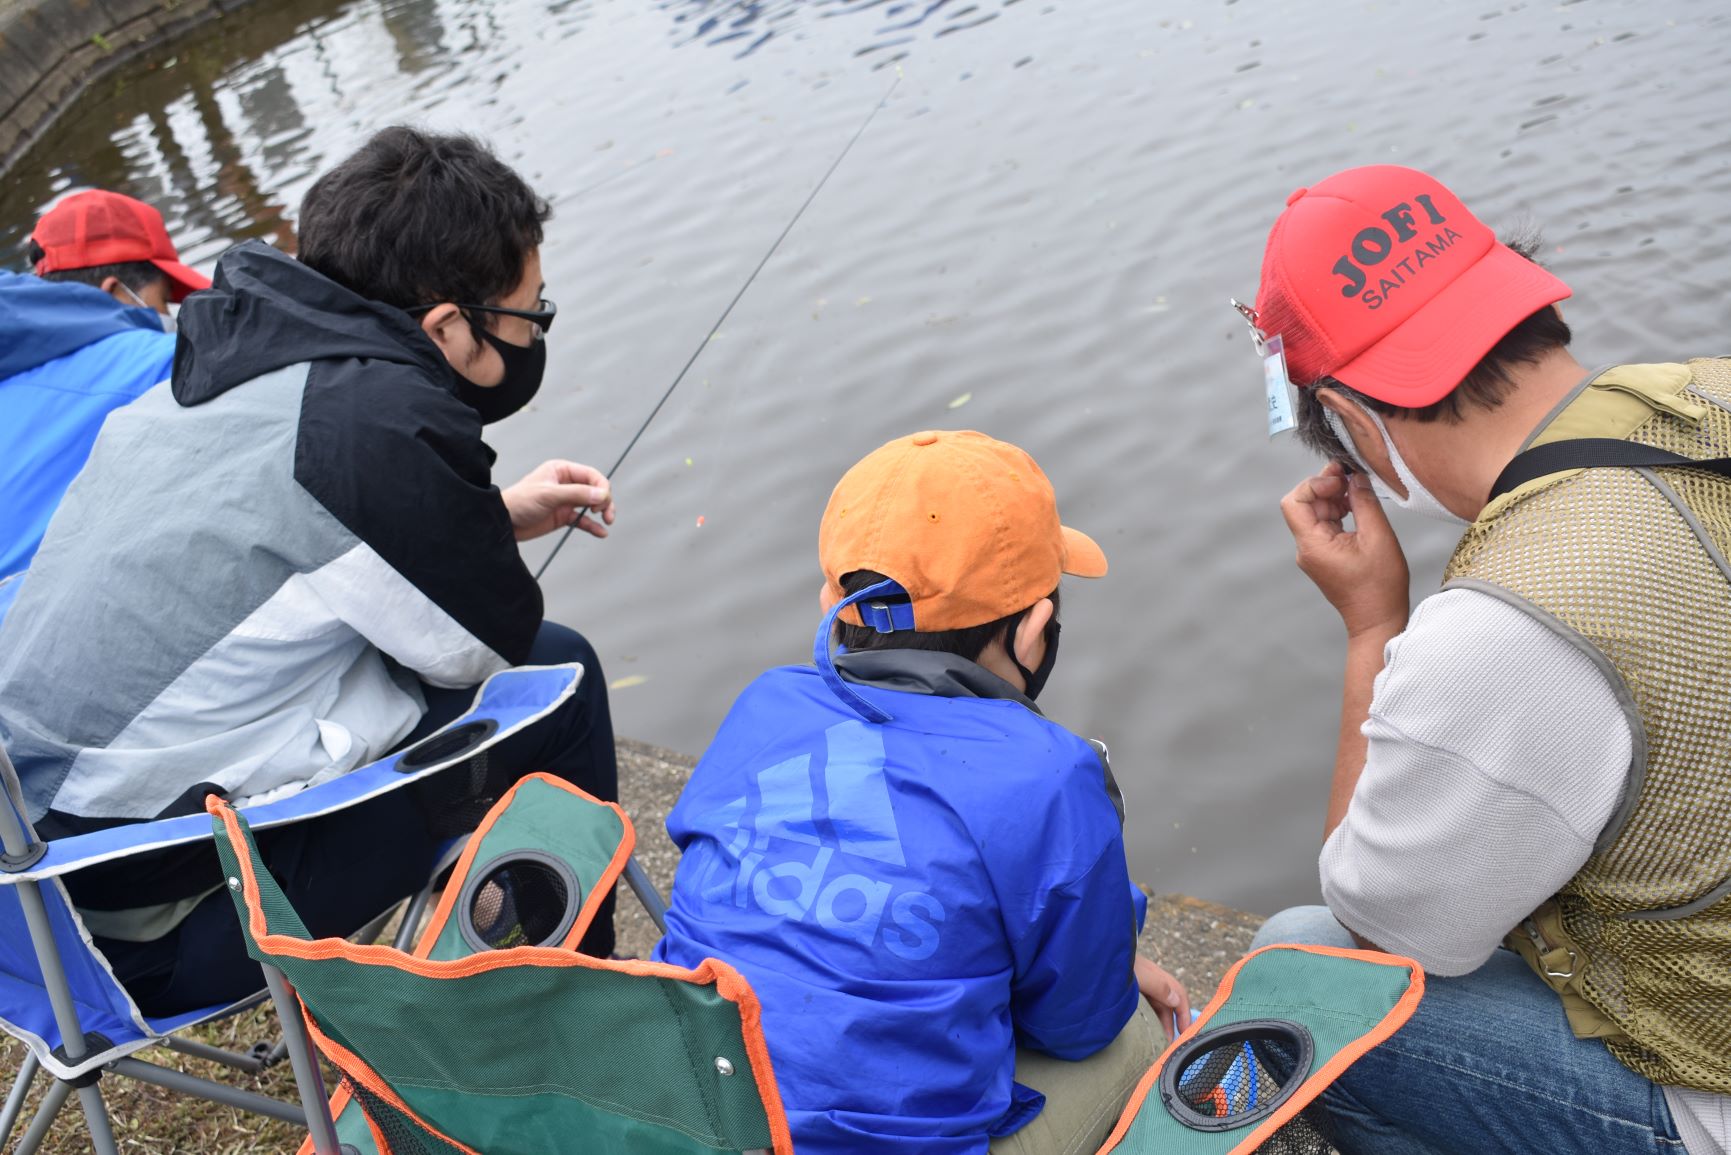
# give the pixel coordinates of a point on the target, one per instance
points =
(524, 367)
(1036, 679)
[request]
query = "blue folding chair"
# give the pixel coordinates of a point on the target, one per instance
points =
(59, 997)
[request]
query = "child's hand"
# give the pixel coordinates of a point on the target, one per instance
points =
(1166, 995)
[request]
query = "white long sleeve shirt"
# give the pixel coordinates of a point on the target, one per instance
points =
(1498, 752)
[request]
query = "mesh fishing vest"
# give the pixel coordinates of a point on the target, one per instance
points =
(1630, 564)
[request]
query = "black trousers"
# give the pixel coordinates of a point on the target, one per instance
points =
(341, 871)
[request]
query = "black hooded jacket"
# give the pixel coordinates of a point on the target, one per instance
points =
(384, 442)
(251, 564)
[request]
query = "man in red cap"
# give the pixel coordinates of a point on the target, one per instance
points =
(115, 243)
(81, 338)
(1535, 757)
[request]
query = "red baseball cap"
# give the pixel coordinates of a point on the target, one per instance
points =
(1381, 278)
(97, 227)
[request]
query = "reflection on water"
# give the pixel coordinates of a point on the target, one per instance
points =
(1037, 238)
(748, 25)
(218, 132)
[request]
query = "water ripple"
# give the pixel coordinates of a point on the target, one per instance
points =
(1046, 221)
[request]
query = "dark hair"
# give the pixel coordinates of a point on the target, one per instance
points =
(1487, 385)
(419, 218)
(135, 275)
(969, 642)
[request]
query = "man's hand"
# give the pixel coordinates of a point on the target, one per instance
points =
(555, 495)
(1166, 995)
(1362, 571)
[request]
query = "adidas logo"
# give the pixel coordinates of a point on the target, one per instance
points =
(792, 841)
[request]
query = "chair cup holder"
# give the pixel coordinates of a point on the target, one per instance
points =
(1236, 1075)
(447, 745)
(520, 898)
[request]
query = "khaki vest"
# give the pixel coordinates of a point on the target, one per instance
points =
(1631, 566)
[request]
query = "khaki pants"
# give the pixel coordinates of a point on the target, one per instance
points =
(1083, 1100)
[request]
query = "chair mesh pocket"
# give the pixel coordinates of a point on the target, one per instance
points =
(520, 899)
(1232, 1079)
(401, 1132)
(1300, 1136)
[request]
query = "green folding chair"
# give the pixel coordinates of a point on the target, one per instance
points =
(58, 993)
(1286, 1022)
(495, 1036)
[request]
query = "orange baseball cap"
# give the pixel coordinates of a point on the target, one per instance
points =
(97, 227)
(966, 524)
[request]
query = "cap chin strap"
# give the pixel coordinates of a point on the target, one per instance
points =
(887, 617)
(884, 615)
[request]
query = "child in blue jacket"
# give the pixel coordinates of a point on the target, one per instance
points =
(921, 875)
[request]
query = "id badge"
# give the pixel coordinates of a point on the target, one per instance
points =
(1282, 406)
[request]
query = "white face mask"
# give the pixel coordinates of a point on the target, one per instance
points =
(168, 322)
(1418, 499)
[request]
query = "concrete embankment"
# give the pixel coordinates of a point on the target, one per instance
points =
(1195, 940)
(51, 50)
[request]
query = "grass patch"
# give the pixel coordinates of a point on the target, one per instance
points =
(152, 1119)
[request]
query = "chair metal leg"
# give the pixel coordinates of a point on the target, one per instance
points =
(96, 1119)
(53, 971)
(251, 1064)
(52, 1100)
(638, 879)
(17, 839)
(20, 844)
(411, 924)
(182, 1083)
(370, 933)
(15, 1101)
(306, 1067)
(410, 927)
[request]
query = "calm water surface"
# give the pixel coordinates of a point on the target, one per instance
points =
(1036, 238)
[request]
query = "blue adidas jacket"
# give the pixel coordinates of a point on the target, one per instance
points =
(909, 899)
(69, 354)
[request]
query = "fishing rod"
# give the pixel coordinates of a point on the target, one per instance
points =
(725, 313)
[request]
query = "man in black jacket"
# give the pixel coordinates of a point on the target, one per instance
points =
(294, 560)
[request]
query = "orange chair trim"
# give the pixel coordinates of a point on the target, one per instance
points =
(339, 1100)
(592, 901)
(355, 1068)
(733, 987)
(728, 983)
(1318, 1080)
(379, 1141)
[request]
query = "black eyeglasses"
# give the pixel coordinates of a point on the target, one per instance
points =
(541, 318)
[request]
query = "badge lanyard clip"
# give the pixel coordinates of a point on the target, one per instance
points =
(1282, 398)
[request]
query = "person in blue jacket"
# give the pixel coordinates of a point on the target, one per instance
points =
(923, 877)
(81, 338)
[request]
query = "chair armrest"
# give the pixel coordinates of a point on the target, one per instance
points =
(513, 698)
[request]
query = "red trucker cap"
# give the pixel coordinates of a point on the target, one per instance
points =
(1381, 278)
(97, 227)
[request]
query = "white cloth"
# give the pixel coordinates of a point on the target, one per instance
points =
(1498, 752)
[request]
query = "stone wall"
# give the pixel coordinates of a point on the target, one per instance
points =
(51, 50)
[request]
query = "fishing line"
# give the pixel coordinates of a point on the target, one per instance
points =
(725, 313)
